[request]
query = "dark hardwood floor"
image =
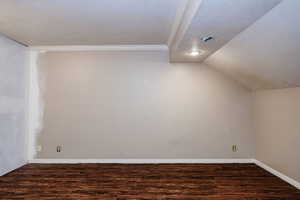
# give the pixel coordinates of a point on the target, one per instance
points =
(163, 181)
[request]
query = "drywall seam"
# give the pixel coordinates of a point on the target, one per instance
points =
(101, 48)
(278, 174)
(141, 161)
(36, 105)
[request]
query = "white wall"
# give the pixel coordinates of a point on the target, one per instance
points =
(13, 104)
(277, 114)
(138, 105)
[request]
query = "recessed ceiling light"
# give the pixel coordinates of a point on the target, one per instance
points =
(194, 53)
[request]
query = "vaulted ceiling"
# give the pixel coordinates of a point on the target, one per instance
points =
(267, 54)
(221, 19)
(256, 42)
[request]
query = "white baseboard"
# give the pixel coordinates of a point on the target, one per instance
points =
(141, 161)
(278, 174)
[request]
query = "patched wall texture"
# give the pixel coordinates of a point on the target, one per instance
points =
(13, 104)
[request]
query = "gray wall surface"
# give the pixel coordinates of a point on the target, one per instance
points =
(13, 104)
(277, 116)
(138, 105)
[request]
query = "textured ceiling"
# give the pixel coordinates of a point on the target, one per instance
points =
(267, 54)
(88, 22)
(223, 19)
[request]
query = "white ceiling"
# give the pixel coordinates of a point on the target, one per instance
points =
(88, 22)
(256, 41)
(267, 54)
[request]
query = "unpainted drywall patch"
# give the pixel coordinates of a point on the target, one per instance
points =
(36, 104)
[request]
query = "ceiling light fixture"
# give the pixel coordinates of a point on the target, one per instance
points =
(194, 53)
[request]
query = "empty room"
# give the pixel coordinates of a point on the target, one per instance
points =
(150, 99)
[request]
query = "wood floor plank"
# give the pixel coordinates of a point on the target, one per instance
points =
(144, 181)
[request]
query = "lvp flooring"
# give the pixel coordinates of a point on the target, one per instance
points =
(144, 181)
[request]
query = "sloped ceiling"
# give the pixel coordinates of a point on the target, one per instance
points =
(88, 22)
(256, 42)
(222, 19)
(267, 54)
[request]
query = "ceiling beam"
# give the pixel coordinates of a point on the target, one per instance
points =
(184, 17)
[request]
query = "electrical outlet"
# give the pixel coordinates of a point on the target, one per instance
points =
(58, 148)
(234, 148)
(39, 148)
